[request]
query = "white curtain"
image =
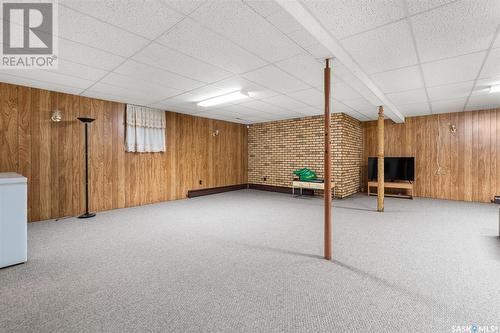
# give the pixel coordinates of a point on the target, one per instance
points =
(145, 129)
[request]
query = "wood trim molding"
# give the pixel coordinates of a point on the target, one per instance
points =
(214, 190)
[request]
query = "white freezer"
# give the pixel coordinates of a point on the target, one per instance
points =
(13, 219)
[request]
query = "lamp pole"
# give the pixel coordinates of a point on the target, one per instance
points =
(87, 214)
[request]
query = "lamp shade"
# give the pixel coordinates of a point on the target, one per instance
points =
(85, 119)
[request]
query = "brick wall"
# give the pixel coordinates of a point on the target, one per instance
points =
(351, 155)
(278, 148)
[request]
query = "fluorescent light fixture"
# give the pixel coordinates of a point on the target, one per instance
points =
(495, 89)
(233, 96)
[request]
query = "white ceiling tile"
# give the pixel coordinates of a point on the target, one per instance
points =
(161, 56)
(29, 82)
(247, 112)
(260, 94)
(284, 22)
(318, 51)
(346, 17)
(181, 108)
(185, 102)
(263, 7)
(148, 18)
(254, 90)
(311, 111)
(185, 7)
(407, 97)
(384, 48)
(370, 113)
(206, 92)
(356, 115)
(414, 109)
(49, 77)
(359, 104)
(458, 69)
(254, 120)
(237, 83)
(284, 101)
(497, 42)
(275, 79)
(172, 107)
(189, 100)
(245, 27)
(304, 67)
(263, 107)
(484, 102)
(340, 71)
(176, 102)
(399, 79)
(491, 67)
(450, 105)
(79, 53)
(274, 117)
(309, 96)
(450, 91)
(241, 121)
(483, 86)
(342, 91)
(458, 28)
(338, 106)
(92, 32)
(215, 112)
(417, 6)
(78, 71)
(289, 114)
(191, 38)
(117, 94)
(239, 110)
(303, 38)
(157, 75)
(219, 115)
(142, 89)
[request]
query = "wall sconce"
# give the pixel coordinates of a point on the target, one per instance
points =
(215, 133)
(453, 129)
(56, 116)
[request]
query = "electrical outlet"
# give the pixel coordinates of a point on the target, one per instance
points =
(200, 181)
(264, 178)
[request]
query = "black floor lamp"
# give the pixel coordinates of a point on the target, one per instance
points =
(87, 214)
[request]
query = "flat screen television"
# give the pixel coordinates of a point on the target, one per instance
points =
(395, 168)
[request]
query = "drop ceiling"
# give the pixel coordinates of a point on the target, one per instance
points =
(426, 57)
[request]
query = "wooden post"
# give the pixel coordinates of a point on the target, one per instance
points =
(327, 168)
(380, 160)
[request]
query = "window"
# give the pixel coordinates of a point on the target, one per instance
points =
(145, 129)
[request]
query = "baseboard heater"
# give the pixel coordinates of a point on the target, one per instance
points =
(214, 190)
(279, 189)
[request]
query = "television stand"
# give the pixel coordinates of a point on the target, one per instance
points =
(407, 186)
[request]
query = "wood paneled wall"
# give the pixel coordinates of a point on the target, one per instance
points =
(51, 154)
(459, 166)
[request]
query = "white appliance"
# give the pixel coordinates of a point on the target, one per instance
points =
(13, 219)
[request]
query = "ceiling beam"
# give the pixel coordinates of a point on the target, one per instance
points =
(315, 28)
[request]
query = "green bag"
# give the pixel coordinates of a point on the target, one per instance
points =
(305, 174)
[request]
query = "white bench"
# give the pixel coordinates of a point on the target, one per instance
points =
(310, 185)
